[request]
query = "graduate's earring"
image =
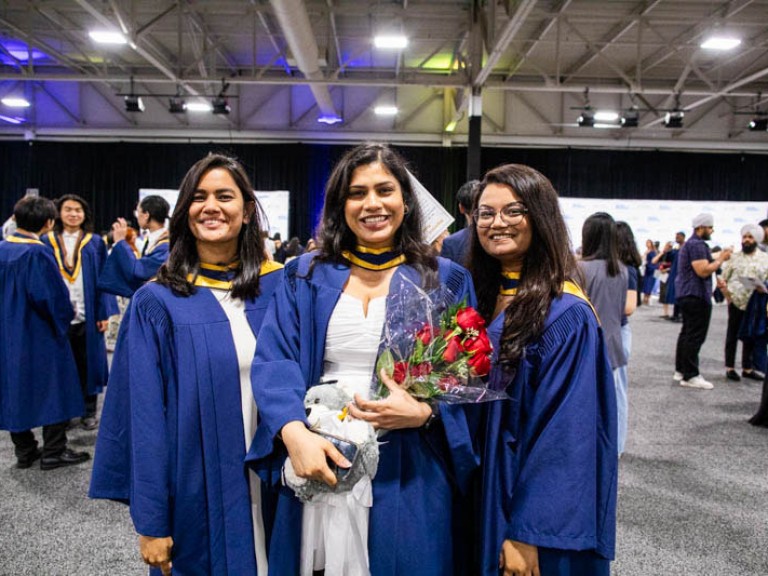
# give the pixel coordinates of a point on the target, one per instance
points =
(406, 209)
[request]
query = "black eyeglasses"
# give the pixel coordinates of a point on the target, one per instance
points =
(511, 215)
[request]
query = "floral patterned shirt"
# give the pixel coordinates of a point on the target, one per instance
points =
(742, 265)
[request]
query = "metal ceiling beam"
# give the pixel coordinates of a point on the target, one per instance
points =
(538, 36)
(506, 36)
(614, 34)
(728, 90)
(716, 15)
(294, 21)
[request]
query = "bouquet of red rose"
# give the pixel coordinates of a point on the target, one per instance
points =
(435, 350)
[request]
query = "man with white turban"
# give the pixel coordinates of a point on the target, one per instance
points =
(693, 290)
(742, 273)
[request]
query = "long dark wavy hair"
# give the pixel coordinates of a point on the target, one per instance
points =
(334, 235)
(87, 225)
(548, 263)
(599, 241)
(628, 253)
(183, 258)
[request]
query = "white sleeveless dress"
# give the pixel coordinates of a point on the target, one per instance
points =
(334, 533)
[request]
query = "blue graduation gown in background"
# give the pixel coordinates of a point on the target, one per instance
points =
(124, 273)
(171, 441)
(99, 305)
(550, 460)
(38, 376)
(421, 472)
(456, 246)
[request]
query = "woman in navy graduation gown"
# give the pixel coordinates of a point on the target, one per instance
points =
(370, 238)
(550, 457)
(179, 413)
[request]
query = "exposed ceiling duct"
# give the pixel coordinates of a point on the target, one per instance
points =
(294, 21)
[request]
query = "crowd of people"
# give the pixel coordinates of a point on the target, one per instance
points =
(226, 330)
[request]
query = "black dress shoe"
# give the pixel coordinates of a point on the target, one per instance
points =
(66, 458)
(753, 375)
(24, 463)
(732, 375)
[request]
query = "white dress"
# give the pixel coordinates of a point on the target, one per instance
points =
(245, 345)
(334, 534)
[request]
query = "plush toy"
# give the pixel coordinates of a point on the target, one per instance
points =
(326, 406)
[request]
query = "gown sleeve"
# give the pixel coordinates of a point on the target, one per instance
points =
(564, 494)
(107, 303)
(278, 382)
(123, 273)
(132, 462)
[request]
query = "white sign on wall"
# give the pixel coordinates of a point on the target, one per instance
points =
(661, 219)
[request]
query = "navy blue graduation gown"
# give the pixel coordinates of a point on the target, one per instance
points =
(421, 472)
(99, 306)
(124, 273)
(38, 376)
(550, 460)
(171, 442)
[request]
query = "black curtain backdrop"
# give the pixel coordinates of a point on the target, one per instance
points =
(109, 175)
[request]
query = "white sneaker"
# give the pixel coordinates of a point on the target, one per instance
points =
(697, 382)
(677, 376)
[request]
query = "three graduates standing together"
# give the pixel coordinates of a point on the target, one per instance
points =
(195, 430)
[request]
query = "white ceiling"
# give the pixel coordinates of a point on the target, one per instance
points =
(286, 62)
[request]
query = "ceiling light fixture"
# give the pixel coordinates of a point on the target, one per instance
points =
(391, 42)
(720, 43)
(134, 103)
(674, 119)
(606, 116)
(220, 106)
(201, 107)
(586, 118)
(107, 37)
(758, 124)
(630, 118)
(176, 105)
(329, 119)
(15, 102)
(385, 110)
(11, 120)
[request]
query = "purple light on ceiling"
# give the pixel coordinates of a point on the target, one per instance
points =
(20, 51)
(12, 119)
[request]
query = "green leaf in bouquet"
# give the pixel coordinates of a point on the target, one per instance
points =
(386, 362)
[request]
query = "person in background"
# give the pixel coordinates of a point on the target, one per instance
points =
(750, 263)
(607, 283)
(649, 276)
(764, 244)
(125, 270)
(677, 315)
(456, 246)
(693, 288)
(550, 460)
(81, 255)
(39, 384)
(179, 414)
(325, 324)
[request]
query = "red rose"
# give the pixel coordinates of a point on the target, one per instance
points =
(426, 334)
(422, 369)
(480, 364)
(400, 372)
(480, 344)
(452, 350)
(468, 318)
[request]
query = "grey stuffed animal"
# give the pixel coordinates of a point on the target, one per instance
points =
(326, 406)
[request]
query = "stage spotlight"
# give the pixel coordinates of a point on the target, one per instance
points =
(758, 124)
(177, 105)
(220, 105)
(630, 118)
(674, 119)
(586, 119)
(134, 103)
